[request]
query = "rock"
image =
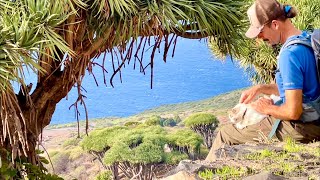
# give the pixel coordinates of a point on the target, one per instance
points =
(235, 151)
(182, 175)
(187, 166)
(236, 156)
(300, 178)
(264, 176)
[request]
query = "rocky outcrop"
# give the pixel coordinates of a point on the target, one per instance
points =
(263, 161)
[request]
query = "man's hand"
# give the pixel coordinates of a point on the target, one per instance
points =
(262, 105)
(248, 95)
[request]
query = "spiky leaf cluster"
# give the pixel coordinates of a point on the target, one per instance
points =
(258, 58)
(27, 28)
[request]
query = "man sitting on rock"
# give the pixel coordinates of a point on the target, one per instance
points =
(296, 82)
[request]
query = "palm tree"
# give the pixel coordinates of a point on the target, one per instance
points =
(258, 58)
(58, 40)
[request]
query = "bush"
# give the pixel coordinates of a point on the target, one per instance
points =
(71, 142)
(177, 119)
(186, 141)
(153, 121)
(102, 139)
(204, 124)
(132, 123)
(174, 157)
(25, 169)
(130, 149)
(169, 122)
(105, 175)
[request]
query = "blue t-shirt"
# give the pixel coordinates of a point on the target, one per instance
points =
(297, 70)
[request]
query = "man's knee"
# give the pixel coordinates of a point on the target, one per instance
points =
(225, 133)
(226, 129)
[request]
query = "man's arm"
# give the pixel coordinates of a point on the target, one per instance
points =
(248, 95)
(291, 109)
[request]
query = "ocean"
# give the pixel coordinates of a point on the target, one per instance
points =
(192, 74)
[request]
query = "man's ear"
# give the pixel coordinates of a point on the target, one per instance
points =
(274, 24)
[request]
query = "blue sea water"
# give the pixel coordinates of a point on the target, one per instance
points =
(192, 74)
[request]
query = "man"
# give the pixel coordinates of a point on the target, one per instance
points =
(296, 82)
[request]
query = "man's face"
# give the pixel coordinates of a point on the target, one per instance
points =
(269, 33)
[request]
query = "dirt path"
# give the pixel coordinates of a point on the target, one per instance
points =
(54, 138)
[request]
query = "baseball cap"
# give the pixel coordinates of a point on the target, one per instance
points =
(260, 13)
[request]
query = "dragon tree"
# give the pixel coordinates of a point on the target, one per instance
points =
(58, 41)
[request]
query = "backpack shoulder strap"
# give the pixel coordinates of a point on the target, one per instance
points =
(315, 41)
(299, 41)
(296, 41)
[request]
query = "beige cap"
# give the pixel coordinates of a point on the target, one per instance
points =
(261, 13)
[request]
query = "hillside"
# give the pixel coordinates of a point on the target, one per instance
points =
(286, 160)
(218, 105)
(69, 160)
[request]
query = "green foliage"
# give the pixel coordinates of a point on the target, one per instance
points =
(285, 162)
(157, 120)
(204, 151)
(132, 123)
(169, 122)
(219, 18)
(75, 152)
(260, 155)
(174, 157)
(186, 138)
(177, 119)
(71, 142)
(226, 172)
(136, 145)
(316, 151)
(220, 104)
(259, 59)
(146, 153)
(119, 152)
(308, 13)
(200, 118)
(98, 140)
(207, 174)
(105, 175)
(291, 146)
(153, 120)
(27, 27)
(25, 170)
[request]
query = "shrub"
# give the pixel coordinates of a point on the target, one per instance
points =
(132, 123)
(169, 122)
(105, 175)
(134, 150)
(30, 171)
(71, 142)
(185, 141)
(204, 124)
(102, 139)
(177, 119)
(174, 157)
(153, 120)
